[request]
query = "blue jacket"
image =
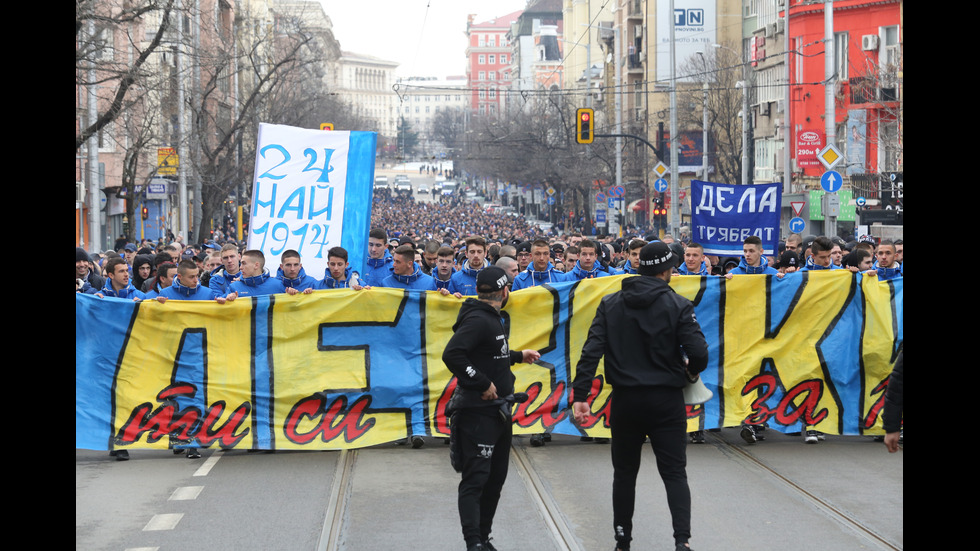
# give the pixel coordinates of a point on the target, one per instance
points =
(885, 274)
(531, 278)
(262, 284)
(129, 293)
(702, 271)
(762, 268)
(448, 284)
(301, 283)
(378, 269)
(176, 291)
(416, 282)
(328, 282)
(220, 280)
(579, 273)
(811, 266)
(464, 280)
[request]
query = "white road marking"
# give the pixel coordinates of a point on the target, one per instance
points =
(166, 521)
(186, 493)
(206, 467)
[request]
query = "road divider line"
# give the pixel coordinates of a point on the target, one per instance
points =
(164, 521)
(204, 469)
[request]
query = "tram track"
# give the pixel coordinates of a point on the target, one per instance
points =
(554, 520)
(815, 501)
(340, 492)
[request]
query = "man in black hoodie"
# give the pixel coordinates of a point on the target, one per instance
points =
(479, 357)
(653, 346)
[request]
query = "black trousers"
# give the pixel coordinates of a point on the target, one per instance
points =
(657, 412)
(484, 448)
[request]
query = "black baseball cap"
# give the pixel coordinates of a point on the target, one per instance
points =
(491, 279)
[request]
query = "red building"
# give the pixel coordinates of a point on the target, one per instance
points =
(488, 62)
(868, 91)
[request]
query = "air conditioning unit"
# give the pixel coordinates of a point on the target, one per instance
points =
(79, 192)
(869, 42)
(642, 57)
(780, 25)
(770, 30)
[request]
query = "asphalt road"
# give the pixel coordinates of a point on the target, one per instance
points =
(844, 493)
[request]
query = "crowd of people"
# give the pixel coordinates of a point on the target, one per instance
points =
(458, 249)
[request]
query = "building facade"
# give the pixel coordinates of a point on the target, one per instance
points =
(366, 82)
(488, 62)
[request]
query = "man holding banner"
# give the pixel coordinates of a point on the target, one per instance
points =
(645, 332)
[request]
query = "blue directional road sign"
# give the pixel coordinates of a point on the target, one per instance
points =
(600, 216)
(797, 225)
(551, 200)
(660, 185)
(861, 201)
(831, 181)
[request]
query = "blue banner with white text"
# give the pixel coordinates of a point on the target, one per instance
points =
(723, 216)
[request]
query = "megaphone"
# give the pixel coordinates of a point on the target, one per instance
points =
(696, 393)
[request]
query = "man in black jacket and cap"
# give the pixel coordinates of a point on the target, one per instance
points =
(653, 346)
(480, 358)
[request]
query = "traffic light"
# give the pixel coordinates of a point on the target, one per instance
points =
(145, 212)
(583, 125)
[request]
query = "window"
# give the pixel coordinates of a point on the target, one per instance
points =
(503, 58)
(481, 59)
(493, 59)
(492, 75)
(765, 159)
(482, 93)
(493, 93)
(840, 55)
(483, 75)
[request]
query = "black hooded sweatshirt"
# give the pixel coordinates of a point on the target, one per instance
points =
(641, 331)
(478, 353)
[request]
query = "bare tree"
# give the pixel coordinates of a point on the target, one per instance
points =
(721, 68)
(448, 128)
(108, 39)
(535, 144)
(264, 64)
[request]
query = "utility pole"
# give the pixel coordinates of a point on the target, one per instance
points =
(675, 213)
(830, 112)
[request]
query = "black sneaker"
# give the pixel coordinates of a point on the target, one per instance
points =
(489, 546)
(697, 437)
(537, 440)
(476, 547)
(587, 439)
(546, 436)
(193, 453)
(682, 547)
(120, 455)
(601, 440)
(417, 442)
(748, 434)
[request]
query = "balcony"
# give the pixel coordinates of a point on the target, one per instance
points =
(865, 90)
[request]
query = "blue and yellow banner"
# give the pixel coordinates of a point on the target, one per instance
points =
(348, 369)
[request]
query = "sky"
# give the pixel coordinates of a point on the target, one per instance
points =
(426, 37)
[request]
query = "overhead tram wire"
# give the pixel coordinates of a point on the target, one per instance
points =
(618, 89)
